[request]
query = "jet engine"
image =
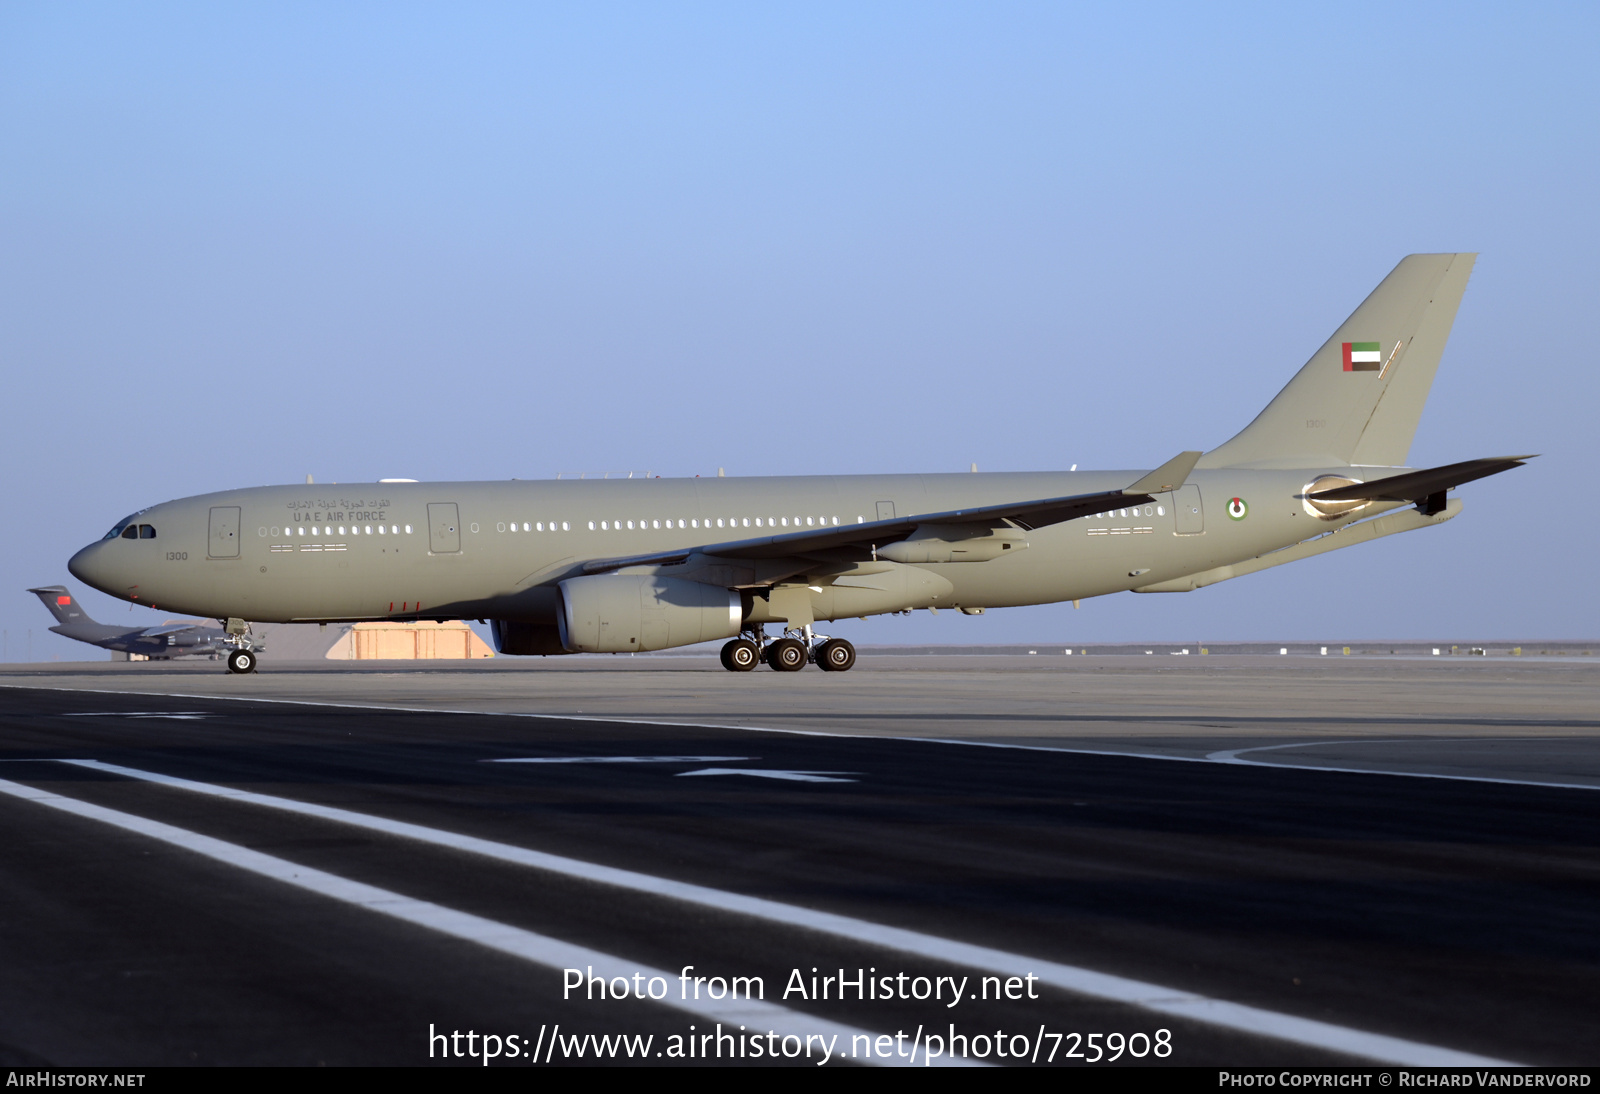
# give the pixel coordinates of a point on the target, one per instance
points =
(628, 613)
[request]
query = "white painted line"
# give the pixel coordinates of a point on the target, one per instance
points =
(1071, 978)
(617, 759)
(540, 949)
(774, 773)
(181, 714)
(810, 733)
(1231, 756)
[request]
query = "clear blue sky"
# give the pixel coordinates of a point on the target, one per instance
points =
(240, 243)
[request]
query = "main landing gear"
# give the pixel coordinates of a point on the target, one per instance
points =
(789, 653)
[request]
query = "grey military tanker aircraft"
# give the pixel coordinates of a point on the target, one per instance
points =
(614, 566)
(160, 643)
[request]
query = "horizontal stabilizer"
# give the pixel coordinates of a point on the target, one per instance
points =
(1416, 485)
(1169, 476)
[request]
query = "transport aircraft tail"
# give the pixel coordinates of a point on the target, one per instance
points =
(1358, 400)
(62, 605)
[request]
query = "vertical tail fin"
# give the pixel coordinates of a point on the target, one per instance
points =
(1359, 398)
(62, 605)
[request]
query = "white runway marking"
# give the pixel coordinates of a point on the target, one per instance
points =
(618, 759)
(1231, 756)
(539, 949)
(182, 715)
(774, 773)
(1070, 978)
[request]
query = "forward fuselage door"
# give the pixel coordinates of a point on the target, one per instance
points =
(1190, 512)
(444, 528)
(224, 539)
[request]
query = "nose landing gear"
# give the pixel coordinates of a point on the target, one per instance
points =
(243, 658)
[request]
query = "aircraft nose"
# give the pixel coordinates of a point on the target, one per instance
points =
(93, 567)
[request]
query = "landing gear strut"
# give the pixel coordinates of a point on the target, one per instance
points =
(243, 657)
(789, 653)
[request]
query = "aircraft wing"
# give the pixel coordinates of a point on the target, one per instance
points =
(1417, 485)
(166, 629)
(1028, 515)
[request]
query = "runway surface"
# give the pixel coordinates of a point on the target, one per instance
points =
(235, 870)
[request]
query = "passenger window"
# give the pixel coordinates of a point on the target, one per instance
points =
(408, 529)
(566, 526)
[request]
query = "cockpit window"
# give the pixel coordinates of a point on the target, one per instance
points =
(147, 531)
(131, 532)
(118, 528)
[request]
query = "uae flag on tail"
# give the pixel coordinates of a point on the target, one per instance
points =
(1363, 357)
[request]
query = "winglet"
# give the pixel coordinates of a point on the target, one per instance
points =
(1169, 476)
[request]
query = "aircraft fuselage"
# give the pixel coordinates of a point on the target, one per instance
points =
(408, 551)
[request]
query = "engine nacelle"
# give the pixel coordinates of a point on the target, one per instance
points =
(629, 613)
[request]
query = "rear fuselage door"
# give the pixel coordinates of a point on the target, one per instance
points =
(444, 528)
(1191, 513)
(224, 541)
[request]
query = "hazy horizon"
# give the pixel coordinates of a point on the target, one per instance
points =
(243, 244)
